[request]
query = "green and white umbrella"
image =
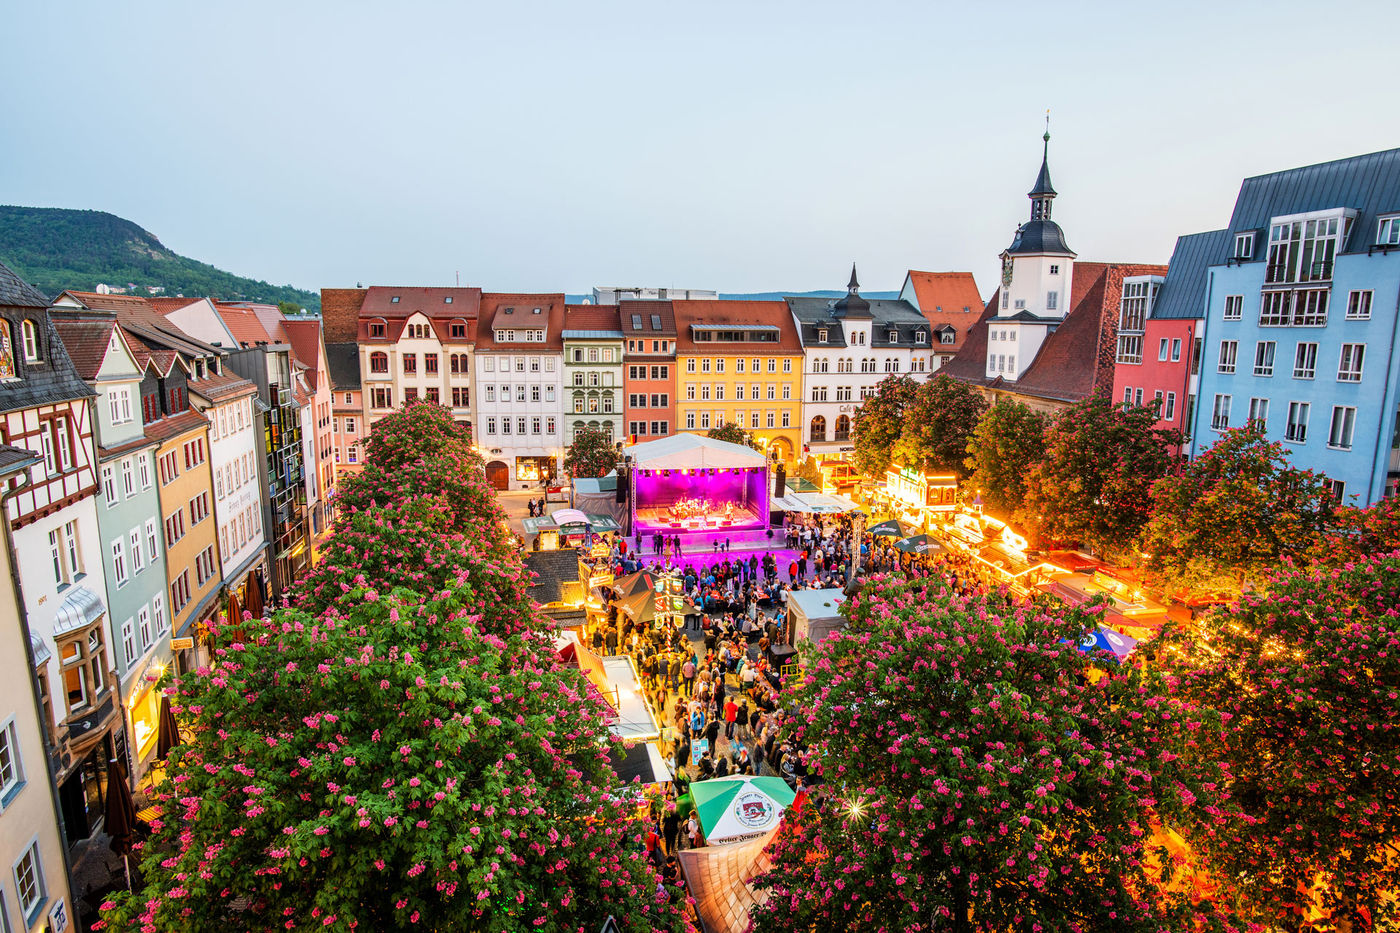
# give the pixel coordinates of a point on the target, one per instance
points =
(888, 529)
(740, 807)
(919, 544)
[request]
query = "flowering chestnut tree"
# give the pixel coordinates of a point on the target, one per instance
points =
(1306, 675)
(975, 779)
(399, 749)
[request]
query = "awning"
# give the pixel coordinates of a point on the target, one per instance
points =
(601, 523)
(569, 517)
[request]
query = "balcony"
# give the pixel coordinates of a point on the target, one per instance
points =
(1277, 273)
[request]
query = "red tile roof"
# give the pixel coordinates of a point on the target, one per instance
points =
(945, 292)
(166, 305)
(1076, 361)
(735, 315)
(176, 425)
(646, 309)
(86, 343)
(430, 302)
(340, 313)
(220, 387)
(305, 340)
(243, 323)
(591, 317)
(516, 311)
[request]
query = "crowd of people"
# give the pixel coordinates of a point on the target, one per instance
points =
(710, 673)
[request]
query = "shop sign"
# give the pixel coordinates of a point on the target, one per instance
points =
(58, 917)
(601, 579)
(600, 550)
(180, 644)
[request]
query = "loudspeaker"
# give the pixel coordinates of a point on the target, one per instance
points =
(623, 473)
(780, 482)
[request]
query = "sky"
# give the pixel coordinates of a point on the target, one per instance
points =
(749, 146)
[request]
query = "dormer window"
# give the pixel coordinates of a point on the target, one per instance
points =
(1244, 245)
(377, 329)
(394, 300)
(7, 353)
(948, 336)
(31, 341)
(920, 337)
(894, 336)
(447, 300)
(821, 335)
(1388, 231)
(535, 311)
(457, 330)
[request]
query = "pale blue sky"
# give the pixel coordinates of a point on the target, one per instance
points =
(737, 146)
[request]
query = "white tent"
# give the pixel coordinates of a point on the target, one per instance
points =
(693, 452)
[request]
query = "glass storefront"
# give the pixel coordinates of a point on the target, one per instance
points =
(533, 469)
(145, 720)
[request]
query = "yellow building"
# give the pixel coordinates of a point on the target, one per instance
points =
(741, 362)
(186, 486)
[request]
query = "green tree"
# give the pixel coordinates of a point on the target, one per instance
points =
(1233, 513)
(290, 308)
(592, 454)
(1094, 482)
(808, 469)
(1357, 533)
(973, 779)
(878, 423)
(734, 433)
(1306, 676)
(938, 426)
(1007, 443)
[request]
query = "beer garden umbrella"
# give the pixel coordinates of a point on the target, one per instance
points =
(888, 529)
(919, 544)
(1103, 638)
(120, 816)
(743, 806)
(169, 734)
(255, 596)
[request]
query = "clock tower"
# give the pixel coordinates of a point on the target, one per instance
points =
(1037, 270)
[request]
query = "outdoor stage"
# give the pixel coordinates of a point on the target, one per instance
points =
(700, 490)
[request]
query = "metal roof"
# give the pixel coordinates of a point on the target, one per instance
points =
(1183, 293)
(592, 335)
(343, 361)
(1368, 183)
(1037, 237)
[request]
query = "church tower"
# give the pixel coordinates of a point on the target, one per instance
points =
(1037, 271)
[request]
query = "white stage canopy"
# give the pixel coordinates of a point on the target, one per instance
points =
(693, 452)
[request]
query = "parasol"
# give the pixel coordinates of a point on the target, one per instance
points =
(740, 807)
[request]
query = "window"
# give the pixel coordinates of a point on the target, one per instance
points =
(109, 485)
(1264, 358)
(490, 425)
(204, 565)
(152, 543)
(1302, 250)
(29, 882)
(381, 398)
(1259, 413)
(1169, 408)
(690, 421)
(772, 391)
(1388, 231)
(175, 526)
(1349, 366)
(490, 393)
(1297, 429)
(821, 335)
(31, 341)
(138, 560)
(180, 592)
(1244, 245)
(379, 362)
(11, 769)
(769, 420)
(1234, 307)
(753, 420)
(194, 453)
(83, 661)
(1305, 307)
(1228, 350)
(1176, 349)
(1130, 348)
(705, 365)
(457, 329)
(787, 390)
(158, 603)
(690, 365)
(1052, 300)
(410, 363)
(704, 419)
(1305, 361)
(1162, 350)
(1220, 416)
(1343, 426)
(430, 363)
(772, 366)
(461, 397)
(787, 418)
(119, 405)
(1359, 305)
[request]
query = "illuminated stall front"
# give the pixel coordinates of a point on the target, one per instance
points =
(919, 495)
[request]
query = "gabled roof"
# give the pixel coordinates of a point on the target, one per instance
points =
(15, 292)
(1183, 293)
(164, 305)
(305, 340)
(938, 293)
(552, 569)
(175, 425)
(343, 362)
(513, 311)
(86, 343)
(137, 317)
(735, 315)
(1368, 183)
(885, 314)
(340, 313)
(221, 387)
(1077, 357)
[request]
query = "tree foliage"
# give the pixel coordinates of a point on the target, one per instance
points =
(56, 248)
(1234, 513)
(1007, 443)
(978, 781)
(734, 433)
(1306, 675)
(1357, 533)
(399, 749)
(878, 423)
(938, 425)
(1094, 482)
(592, 454)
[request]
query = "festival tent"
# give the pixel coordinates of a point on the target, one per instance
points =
(633, 583)
(740, 807)
(640, 606)
(693, 452)
(815, 613)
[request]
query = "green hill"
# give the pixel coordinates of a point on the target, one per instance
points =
(54, 249)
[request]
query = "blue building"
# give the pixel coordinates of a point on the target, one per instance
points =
(1301, 310)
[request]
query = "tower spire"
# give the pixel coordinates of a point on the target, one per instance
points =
(854, 285)
(1043, 192)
